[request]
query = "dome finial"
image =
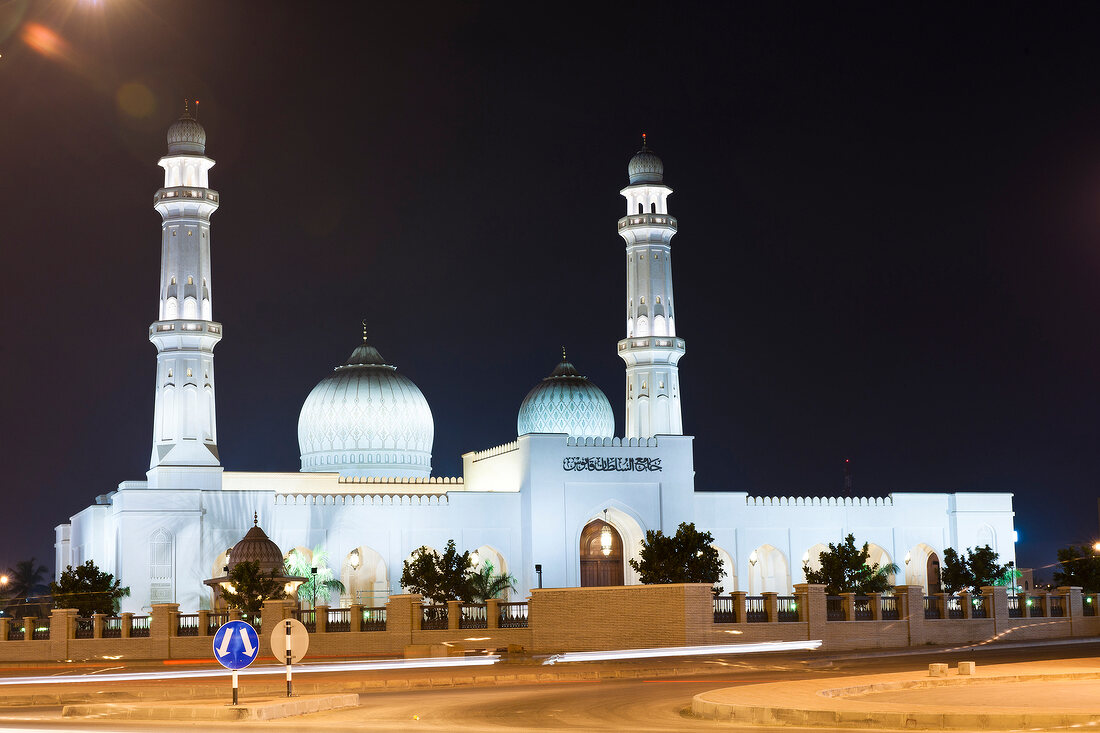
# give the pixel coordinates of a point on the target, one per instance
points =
(563, 357)
(644, 146)
(255, 519)
(364, 330)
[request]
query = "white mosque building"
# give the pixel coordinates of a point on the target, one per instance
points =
(365, 492)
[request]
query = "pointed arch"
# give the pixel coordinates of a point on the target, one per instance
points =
(768, 571)
(364, 574)
(728, 579)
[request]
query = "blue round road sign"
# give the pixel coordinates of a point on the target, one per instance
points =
(236, 645)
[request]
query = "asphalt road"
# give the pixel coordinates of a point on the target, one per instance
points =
(656, 703)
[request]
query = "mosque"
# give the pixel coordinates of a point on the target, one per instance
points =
(567, 496)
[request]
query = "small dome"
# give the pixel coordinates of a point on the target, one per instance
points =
(365, 419)
(186, 136)
(566, 402)
(645, 166)
(257, 547)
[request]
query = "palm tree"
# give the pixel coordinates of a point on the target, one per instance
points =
(319, 585)
(485, 585)
(28, 588)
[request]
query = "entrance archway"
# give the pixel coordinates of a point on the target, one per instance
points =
(598, 569)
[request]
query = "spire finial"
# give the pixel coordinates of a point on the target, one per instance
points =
(364, 330)
(563, 357)
(644, 147)
(255, 519)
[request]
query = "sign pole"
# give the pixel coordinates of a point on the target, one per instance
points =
(289, 684)
(234, 687)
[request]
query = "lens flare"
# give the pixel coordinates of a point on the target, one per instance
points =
(46, 42)
(136, 100)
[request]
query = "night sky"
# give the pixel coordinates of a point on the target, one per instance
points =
(889, 245)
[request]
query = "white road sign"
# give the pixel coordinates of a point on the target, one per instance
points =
(289, 634)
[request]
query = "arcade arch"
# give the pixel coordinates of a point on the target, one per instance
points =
(364, 575)
(768, 571)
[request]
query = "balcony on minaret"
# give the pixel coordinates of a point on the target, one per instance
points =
(648, 220)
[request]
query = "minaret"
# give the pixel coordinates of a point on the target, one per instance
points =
(650, 349)
(185, 439)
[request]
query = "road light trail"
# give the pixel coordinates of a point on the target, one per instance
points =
(685, 651)
(395, 664)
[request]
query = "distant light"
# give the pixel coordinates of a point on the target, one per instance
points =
(1015, 536)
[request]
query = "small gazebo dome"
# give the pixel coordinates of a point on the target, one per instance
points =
(257, 547)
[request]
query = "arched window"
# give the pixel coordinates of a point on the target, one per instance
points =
(640, 209)
(190, 309)
(171, 309)
(160, 555)
(653, 208)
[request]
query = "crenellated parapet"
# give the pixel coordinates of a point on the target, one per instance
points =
(350, 500)
(434, 480)
(481, 455)
(868, 501)
(612, 442)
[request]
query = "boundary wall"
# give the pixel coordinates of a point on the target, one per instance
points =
(556, 620)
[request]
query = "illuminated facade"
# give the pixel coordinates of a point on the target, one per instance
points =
(564, 494)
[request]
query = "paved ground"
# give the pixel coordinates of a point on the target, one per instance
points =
(646, 696)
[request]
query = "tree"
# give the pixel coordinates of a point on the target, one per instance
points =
(485, 584)
(974, 570)
(88, 589)
(1078, 565)
(320, 585)
(844, 569)
(248, 587)
(28, 588)
(686, 557)
(954, 573)
(438, 578)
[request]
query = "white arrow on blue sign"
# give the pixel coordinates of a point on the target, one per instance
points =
(236, 645)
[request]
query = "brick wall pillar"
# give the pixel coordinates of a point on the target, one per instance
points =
(97, 625)
(321, 618)
(911, 608)
(1073, 606)
(875, 599)
(812, 609)
(739, 605)
(274, 611)
(965, 604)
(403, 617)
(454, 612)
(492, 613)
(204, 622)
(1044, 603)
(28, 627)
(849, 606)
(61, 630)
(771, 606)
(996, 599)
(160, 621)
(234, 614)
(5, 626)
(355, 613)
(126, 625)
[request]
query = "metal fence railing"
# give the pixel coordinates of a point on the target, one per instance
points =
(338, 620)
(473, 616)
(888, 608)
(433, 618)
(724, 610)
(187, 624)
(373, 619)
(513, 616)
(139, 627)
(834, 608)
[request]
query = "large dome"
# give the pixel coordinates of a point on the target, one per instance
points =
(566, 402)
(365, 419)
(186, 136)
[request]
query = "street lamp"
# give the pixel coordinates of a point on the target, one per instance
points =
(313, 572)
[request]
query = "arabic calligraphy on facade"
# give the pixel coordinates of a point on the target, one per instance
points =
(577, 463)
